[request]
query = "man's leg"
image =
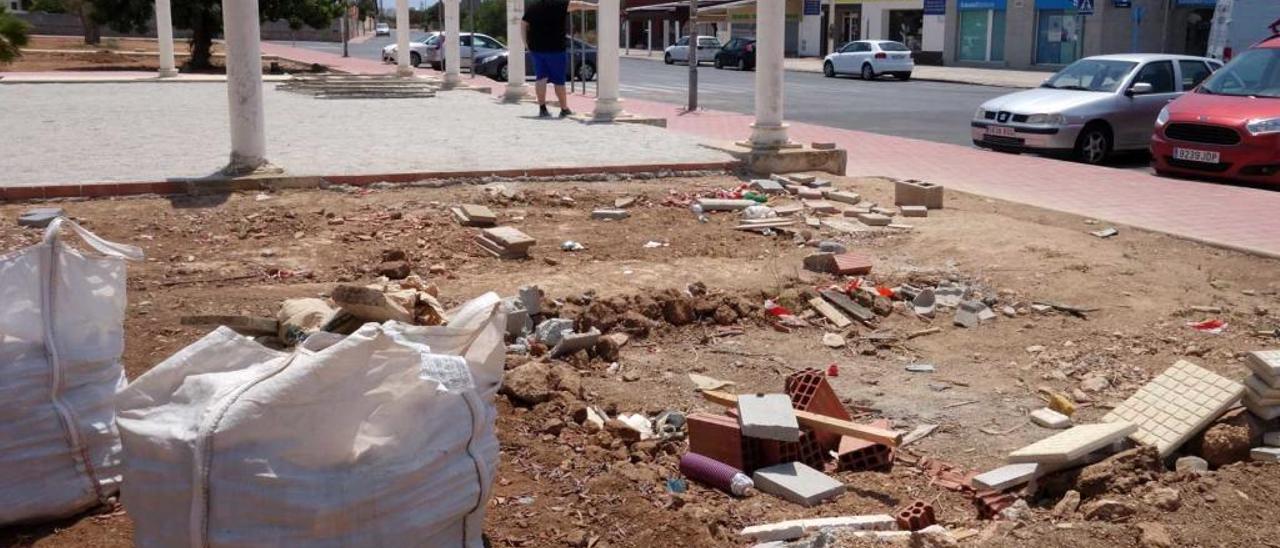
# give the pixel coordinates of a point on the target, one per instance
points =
(540, 89)
(563, 96)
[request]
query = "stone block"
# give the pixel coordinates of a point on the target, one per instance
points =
(1264, 412)
(767, 186)
(768, 416)
(821, 206)
(874, 219)
(474, 215)
(610, 214)
(1074, 443)
(717, 204)
(797, 483)
(575, 342)
(806, 193)
(1260, 392)
(1176, 405)
(917, 193)
(1266, 365)
(1049, 418)
(1010, 475)
(40, 217)
(843, 197)
(914, 211)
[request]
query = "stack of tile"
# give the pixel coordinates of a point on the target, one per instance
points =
(1176, 405)
(474, 215)
(1262, 388)
(505, 242)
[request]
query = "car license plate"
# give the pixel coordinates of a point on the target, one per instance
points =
(1001, 131)
(1193, 155)
(900, 56)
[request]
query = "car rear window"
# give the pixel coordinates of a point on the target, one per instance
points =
(893, 46)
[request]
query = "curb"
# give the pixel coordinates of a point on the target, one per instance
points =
(281, 182)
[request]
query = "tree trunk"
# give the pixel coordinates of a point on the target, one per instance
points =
(92, 33)
(201, 43)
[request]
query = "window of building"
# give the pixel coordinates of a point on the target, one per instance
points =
(981, 36)
(905, 26)
(1059, 36)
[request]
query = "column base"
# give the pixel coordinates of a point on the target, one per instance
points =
(607, 110)
(168, 73)
(769, 137)
(404, 72)
(241, 166)
(515, 93)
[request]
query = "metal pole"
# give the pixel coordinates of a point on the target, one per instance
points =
(573, 67)
(472, 7)
(693, 55)
(345, 13)
(582, 18)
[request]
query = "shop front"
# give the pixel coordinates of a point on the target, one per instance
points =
(981, 31)
(1059, 34)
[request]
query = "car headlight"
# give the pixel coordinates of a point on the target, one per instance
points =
(979, 114)
(1046, 119)
(1163, 117)
(1263, 126)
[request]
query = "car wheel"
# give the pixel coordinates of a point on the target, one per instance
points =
(586, 72)
(668, 60)
(437, 66)
(719, 63)
(504, 74)
(415, 59)
(828, 69)
(904, 76)
(1093, 146)
(742, 64)
(868, 73)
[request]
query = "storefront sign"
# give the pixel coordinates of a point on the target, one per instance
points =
(1059, 4)
(813, 7)
(1207, 3)
(981, 4)
(935, 7)
(1122, 3)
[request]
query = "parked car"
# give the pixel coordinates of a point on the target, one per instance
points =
(485, 46)
(494, 65)
(1091, 108)
(382, 29)
(708, 46)
(739, 53)
(870, 58)
(417, 50)
(1229, 127)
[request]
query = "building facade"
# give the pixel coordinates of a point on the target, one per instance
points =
(1047, 34)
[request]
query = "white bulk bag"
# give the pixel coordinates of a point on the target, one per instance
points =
(381, 438)
(61, 337)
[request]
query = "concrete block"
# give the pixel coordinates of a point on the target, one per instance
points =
(531, 298)
(767, 186)
(1008, 476)
(1265, 454)
(575, 342)
(518, 320)
(821, 206)
(1266, 365)
(887, 212)
(972, 313)
(1264, 412)
(1074, 443)
(40, 217)
(1260, 391)
(843, 197)
(717, 204)
(796, 528)
(1049, 418)
(610, 214)
(914, 211)
(768, 416)
(917, 193)
(818, 183)
(874, 219)
(1176, 405)
(474, 215)
(797, 483)
(550, 331)
(801, 178)
(788, 209)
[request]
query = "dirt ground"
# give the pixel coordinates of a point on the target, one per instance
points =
(116, 54)
(560, 485)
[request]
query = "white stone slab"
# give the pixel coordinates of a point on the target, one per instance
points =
(1264, 412)
(797, 483)
(1266, 364)
(1074, 443)
(768, 416)
(1008, 476)
(1176, 405)
(1265, 454)
(796, 528)
(1049, 418)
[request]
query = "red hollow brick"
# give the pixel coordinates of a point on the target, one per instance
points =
(915, 516)
(990, 503)
(808, 451)
(810, 391)
(719, 437)
(858, 455)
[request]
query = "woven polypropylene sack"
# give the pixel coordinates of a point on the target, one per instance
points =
(61, 338)
(384, 437)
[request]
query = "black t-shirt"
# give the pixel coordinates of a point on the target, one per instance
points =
(546, 19)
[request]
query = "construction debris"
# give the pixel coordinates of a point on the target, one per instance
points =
(1175, 405)
(917, 193)
(768, 416)
(474, 215)
(797, 483)
(40, 217)
(505, 242)
(794, 529)
(245, 325)
(610, 214)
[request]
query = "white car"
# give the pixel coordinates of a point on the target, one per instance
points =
(708, 46)
(485, 46)
(870, 58)
(417, 50)
(382, 29)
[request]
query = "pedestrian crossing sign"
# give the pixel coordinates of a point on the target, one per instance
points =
(1084, 7)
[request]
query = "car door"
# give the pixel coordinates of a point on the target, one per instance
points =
(843, 58)
(1191, 72)
(679, 51)
(464, 49)
(1140, 110)
(486, 46)
(859, 53)
(727, 53)
(707, 48)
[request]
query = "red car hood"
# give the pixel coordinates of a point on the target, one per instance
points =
(1223, 109)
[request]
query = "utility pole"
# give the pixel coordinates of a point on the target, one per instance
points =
(693, 55)
(346, 12)
(472, 6)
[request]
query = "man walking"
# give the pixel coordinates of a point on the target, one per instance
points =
(544, 33)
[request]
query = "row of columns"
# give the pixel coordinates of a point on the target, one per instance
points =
(240, 21)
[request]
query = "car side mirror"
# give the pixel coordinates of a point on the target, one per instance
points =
(1140, 88)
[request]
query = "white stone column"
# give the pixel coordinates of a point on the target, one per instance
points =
(452, 45)
(164, 36)
(403, 67)
(769, 132)
(648, 36)
(516, 88)
(608, 105)
(244, 87)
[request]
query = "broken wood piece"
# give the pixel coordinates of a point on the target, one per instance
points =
(1076, 311)
(830, 313)
(824, 423)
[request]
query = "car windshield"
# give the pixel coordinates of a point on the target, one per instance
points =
(893, 46)
(1255, 73)
(433, 40)
(1091, 75)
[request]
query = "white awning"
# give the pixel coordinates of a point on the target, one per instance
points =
(734, 4)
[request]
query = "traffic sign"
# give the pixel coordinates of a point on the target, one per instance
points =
(1084, 7)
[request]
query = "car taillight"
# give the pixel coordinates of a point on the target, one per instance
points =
(882, 55)
(1226, 54)
(751, 48)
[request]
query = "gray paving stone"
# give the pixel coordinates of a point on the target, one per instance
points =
(797, 483)
(575, 342)
(40, 217)
(768, 416)
(1008, 476)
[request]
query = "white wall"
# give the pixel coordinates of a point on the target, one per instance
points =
(875, 23)
(935, 30)
(810, 35)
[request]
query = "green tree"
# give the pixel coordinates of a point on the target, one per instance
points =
(204, 18)
(13, 35)
(48, 6)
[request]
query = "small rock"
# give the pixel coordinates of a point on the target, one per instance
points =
(1164, 498)
(1191, 463)
(1009, 311)
(395, 270)
(1035, 349)
(833, 340)
(1095, 383)
(1154, 535)
(630, 376)
(1018, 511)
(1108, 510)
(1068, 505)
(1224, 444)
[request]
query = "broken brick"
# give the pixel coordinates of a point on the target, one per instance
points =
(719, 437)
(859, 455)
(810, 391)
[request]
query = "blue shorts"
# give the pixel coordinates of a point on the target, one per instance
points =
(550, 66)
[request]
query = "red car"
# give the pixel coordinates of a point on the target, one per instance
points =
(1229, 127)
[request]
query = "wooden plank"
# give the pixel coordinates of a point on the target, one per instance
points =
(859, 312)
(829, 312)
(824, 423)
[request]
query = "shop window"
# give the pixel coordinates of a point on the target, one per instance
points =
(905, 26)
(981, 35)
(1058, 37)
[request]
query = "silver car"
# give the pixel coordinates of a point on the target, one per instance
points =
(417, 50)
(485, 46)
(1091, 108)
(708, 46)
